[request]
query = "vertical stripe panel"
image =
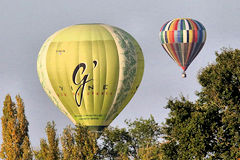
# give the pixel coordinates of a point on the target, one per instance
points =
(186, 24)
(185, 36)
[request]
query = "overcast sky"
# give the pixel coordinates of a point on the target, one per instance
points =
(25, 24)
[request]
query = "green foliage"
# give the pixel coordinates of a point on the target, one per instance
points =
(150, 152)
(116, 143)
(221, 81)
(144, 132)
(221, 90)
(139, 140)
(209, 128)
(187, 131)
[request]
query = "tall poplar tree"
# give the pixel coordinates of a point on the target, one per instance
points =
(16, 144)
(10, 147)
(25, 148)
(53, 141)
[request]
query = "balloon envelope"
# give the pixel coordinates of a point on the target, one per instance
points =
(90, 71)
(182, 39)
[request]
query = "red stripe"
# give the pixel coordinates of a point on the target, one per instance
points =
(172, 37)
(174, 28)
(176, 24)
(195, 25)
(195, 35)
(195, 29)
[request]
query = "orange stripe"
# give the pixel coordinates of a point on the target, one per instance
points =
(171, 27)
(171, 36)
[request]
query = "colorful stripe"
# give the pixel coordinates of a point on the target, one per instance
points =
(183, 38)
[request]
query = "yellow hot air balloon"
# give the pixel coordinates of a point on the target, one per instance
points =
(90, 72)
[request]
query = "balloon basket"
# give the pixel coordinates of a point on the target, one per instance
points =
(184, 75)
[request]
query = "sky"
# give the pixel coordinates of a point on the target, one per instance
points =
(26, 24)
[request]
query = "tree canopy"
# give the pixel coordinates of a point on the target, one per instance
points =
(210, 127)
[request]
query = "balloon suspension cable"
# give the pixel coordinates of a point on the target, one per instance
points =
(184, 75)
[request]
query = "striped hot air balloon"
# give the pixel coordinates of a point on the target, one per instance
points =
(90, 72)
(182, 39)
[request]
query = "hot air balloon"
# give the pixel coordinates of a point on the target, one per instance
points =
(182, 39)
(90, 72)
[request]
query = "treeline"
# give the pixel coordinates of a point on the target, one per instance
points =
(208, 128)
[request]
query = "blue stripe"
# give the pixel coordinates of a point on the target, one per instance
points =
(166, 37)
(201, 36)
(200, 26)
(189, 24)
(179, 36)
(182, 21)
(163, 29)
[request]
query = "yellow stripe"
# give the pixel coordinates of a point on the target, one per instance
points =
(190, 36)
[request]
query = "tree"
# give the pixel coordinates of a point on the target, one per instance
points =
(77, 143)
(144, 132)
(42, 154)
(138, 141)
(53, 149)
(85, 144)
(221, 90)
(68, 143)
(116, 144)
(49, 149)
(25, 149)
(210, 127)
(10, 148)
(187, 131)
(152, 152)
(16, 144)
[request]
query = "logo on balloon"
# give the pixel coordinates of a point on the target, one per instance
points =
(82, 83)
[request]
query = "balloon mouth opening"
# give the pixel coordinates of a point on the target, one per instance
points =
(96, 128)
